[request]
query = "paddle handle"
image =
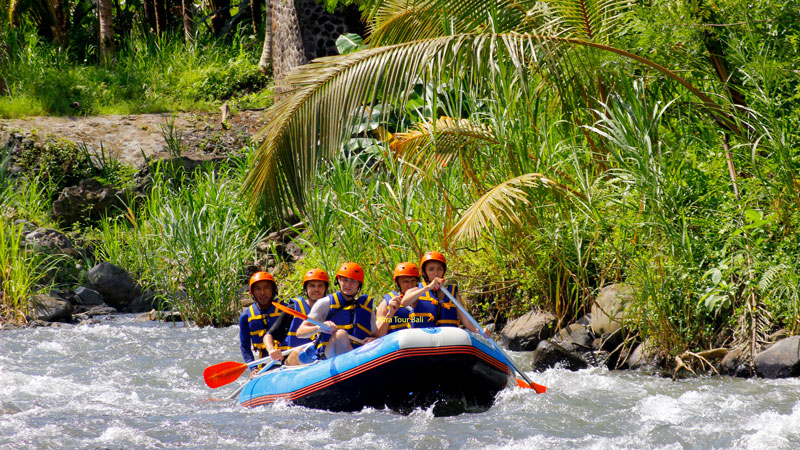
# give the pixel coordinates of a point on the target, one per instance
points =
(480, 329)
(321, 325)
(328, 330)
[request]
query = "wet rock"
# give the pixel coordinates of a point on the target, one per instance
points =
(575, 337)
(609, 308)
(42, 323)
(524, 333)
(49, 308)
(161, 316)
(114, 283)
(548, 354)
(89, 200)
(646, 357)
(89, 297)
(145, 302)
(781, 360)
(735, 364)
(49, 241)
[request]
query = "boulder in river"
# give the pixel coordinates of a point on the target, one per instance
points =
(575, 337)
(89, 297)
(143, 303)
(525, 332)
(549, 354)
(781, 360)
(114, 283)
(734, 364)
(608, 309)
(50, 308)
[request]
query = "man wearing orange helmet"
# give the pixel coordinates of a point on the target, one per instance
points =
(258, 317)
(284, 330)
(392, 316)
(344, 311)
(431, 307)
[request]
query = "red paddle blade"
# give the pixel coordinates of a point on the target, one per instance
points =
(291, 311)
(223, 373)
(536, 387)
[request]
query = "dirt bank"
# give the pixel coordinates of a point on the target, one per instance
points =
(127, 138)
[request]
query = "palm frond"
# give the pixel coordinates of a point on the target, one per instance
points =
(322, 99)
(502, 203)
(592, 20)
(396, 21)
(447, 135)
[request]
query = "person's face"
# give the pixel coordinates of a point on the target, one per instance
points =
(263, 292)
(405, 283)
(315, 289)
(348, 286)
(434, 269)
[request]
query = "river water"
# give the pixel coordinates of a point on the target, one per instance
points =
(127, 385)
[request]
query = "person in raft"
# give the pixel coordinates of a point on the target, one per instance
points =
(344, 311)
(284, 330)
(392, 316)
(258, 317)
(431, 306)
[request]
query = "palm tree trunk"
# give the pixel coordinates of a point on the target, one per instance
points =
(160, 13)
(188, 20)
(265, 62)
(288, 51)
(255, 13)
(105, 14)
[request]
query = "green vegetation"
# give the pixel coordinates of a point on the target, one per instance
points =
(549, 153)
(150, 74)
(580, 149)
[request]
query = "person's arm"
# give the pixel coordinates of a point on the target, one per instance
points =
(245, 344)
(318, 312)
(384, 317)
(412, 295)
(276, 333)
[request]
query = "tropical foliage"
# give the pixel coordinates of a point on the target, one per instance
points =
(570, 144)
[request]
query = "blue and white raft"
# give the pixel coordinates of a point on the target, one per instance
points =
(452, 369)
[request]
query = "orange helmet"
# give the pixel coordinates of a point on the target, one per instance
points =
(262, 276)
(405, 269)
(432, 256)
(316, 275)
(351, 270)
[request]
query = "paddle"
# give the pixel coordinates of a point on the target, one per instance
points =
(229, 371)
(321, 325)
(530, 384)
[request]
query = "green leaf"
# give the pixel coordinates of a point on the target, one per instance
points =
(349, 43)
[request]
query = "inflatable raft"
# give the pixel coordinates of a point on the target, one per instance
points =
(451, 369)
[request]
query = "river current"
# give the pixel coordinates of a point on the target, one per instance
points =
(128, 385)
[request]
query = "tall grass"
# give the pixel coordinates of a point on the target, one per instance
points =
(188, 241)
(21, 271)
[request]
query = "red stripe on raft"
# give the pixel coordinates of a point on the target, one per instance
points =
(294, 395)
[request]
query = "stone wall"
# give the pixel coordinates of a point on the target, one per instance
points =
(302, 30)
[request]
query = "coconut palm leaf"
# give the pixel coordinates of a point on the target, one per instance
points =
(323, 99)
(502, 203)
(447, 135)
(592, 20)
(396, 21)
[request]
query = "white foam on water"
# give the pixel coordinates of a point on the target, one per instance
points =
(660, 408)
(771, 430)
(120, 435)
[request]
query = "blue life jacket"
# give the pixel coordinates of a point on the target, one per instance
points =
(259, 323)
(430, 312)
(355, 318)
(401, 318)
(291, 340)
